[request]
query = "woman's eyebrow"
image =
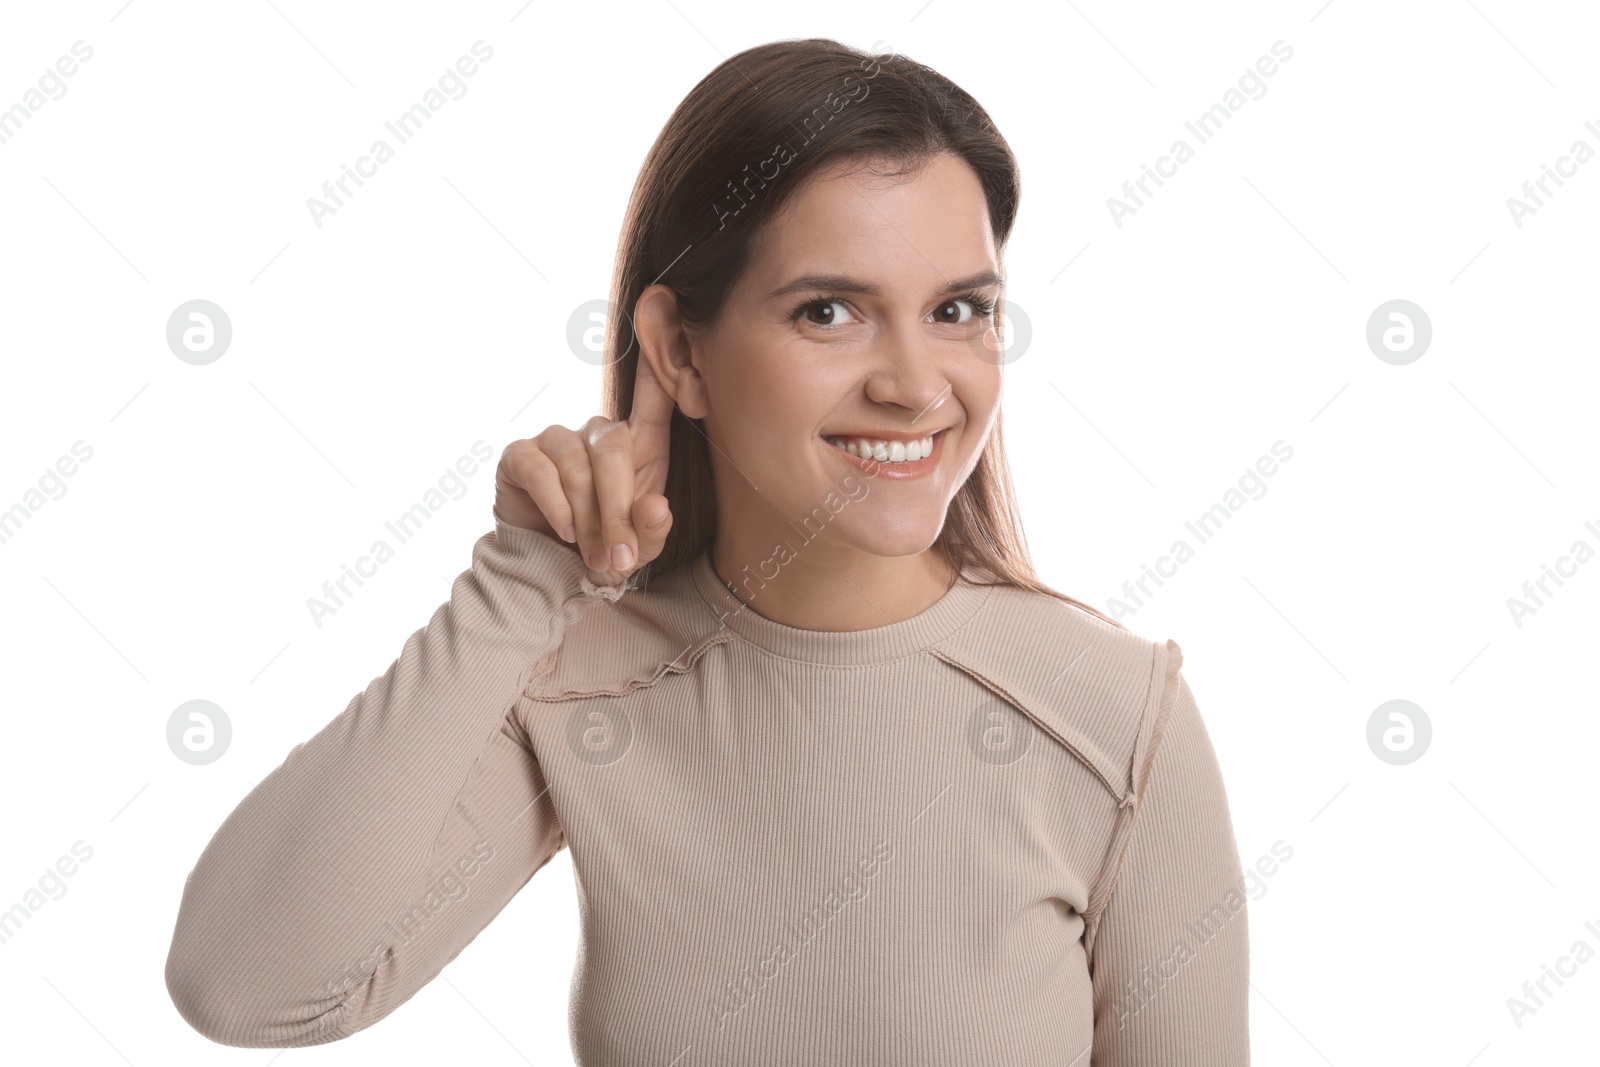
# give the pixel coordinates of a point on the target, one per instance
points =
(843, 284)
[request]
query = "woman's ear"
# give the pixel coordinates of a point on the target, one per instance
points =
(665, 341)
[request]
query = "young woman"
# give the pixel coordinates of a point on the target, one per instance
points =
(842, 781)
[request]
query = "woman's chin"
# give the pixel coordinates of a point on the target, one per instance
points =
(891, 540)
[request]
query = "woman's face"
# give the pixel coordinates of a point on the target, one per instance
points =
(895, 344)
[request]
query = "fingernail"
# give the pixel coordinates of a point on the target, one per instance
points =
(621, 557)
(568, 534)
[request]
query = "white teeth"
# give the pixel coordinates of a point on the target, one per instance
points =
(884, 451)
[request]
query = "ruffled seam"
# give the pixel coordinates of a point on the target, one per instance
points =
(609, 593)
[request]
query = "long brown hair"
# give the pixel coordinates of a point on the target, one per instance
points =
(698, 205)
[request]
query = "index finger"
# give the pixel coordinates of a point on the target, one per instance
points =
(650, 421)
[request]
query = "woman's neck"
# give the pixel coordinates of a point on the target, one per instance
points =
(832, 588)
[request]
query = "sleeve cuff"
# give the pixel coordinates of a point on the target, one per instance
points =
(555, 557)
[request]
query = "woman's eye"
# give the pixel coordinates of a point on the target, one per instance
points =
(821, 313)
(941, 314)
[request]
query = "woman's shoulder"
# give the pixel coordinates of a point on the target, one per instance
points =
(1097, 687)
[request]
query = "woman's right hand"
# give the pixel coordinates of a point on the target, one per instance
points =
(601, 487)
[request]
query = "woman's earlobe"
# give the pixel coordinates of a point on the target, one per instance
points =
(691, 394)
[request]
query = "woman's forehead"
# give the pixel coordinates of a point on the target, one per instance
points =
(866, 241)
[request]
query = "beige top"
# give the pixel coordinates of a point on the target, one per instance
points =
(993, 833)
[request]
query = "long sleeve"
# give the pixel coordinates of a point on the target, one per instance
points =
(1170, 964)
(379, 848)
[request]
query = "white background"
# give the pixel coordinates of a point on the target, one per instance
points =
(430, 312)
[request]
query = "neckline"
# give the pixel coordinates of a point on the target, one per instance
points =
(878, 644)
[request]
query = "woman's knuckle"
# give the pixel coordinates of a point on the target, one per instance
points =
(578, 477)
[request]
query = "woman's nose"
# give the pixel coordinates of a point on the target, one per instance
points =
(908, 370)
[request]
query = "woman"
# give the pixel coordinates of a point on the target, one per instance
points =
(843, 783)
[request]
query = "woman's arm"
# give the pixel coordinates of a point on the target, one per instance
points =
(1170, 962)
(356, 870)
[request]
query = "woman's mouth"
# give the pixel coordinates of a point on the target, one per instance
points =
(887, 457)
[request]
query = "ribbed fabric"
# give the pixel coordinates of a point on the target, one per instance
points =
(993, 833)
